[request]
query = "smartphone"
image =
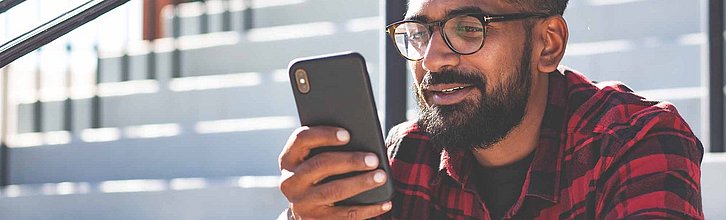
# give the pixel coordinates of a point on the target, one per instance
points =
(335, 90)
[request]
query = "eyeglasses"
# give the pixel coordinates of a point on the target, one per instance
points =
(464, 34)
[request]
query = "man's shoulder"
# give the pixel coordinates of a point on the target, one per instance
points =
(402, 130)
(600, 106)
(622, 119)
(407, 142)
(408, 131)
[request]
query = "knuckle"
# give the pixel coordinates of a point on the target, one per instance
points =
(326, 193)
(281, 159)
(289, 151)
(318, 195)
(352, 213)
(317, 163)
(285, 185)
(299, 136)
(300, 132)
(288, 192)
(354, 160)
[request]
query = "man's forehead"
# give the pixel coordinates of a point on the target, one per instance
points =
(438, 9)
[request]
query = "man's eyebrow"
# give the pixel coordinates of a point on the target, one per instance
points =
(449, 13)
(418, 17)
(464, 10)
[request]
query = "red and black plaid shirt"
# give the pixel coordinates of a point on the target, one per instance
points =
(603, 153)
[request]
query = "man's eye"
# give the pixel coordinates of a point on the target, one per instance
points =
(469, 29)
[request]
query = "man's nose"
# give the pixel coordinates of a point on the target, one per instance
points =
(438, 55)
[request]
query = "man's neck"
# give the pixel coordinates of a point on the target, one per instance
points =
(523, 139)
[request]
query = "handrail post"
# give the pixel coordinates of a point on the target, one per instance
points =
(4, 152)
(68, 103)
(247, 16)
(38, 105)
(153, 22)
(204, 18)
(716, 74)
(226, 16)
(176, 32)
(96, 100)
(395, 69)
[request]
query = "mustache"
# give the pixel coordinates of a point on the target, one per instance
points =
(453, 76)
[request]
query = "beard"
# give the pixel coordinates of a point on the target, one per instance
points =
(477, 124)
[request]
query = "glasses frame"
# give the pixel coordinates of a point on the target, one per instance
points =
(483, 18)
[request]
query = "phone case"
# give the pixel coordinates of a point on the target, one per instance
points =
(340, 95)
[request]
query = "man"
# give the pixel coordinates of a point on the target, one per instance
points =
(504, 132)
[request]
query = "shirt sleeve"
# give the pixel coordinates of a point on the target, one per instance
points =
(655, 174)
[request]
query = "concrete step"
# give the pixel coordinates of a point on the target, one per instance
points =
(187, 154)
(213, 198)
(178, 199)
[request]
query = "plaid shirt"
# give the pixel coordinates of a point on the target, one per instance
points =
(604, 153)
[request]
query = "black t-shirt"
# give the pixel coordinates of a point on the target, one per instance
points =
(500, 187)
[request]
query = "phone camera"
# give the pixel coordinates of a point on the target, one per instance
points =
(301, 77)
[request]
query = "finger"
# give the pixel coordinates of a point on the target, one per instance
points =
(338, 190)
(361, 212)
(323, 165)
(305, 138)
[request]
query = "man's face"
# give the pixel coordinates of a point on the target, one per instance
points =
(472, 101)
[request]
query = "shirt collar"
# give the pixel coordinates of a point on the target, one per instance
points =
(543, 176)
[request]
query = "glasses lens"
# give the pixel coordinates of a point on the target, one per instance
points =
(411, 39)
(465, 34)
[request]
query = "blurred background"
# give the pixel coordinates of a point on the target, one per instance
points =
(173, 109)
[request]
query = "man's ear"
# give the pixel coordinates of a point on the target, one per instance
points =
(554, 33)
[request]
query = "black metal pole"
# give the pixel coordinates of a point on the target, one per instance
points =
(226, 17)
(204, 18)
(716, 74)
(38, 105)
(247, 16)
(55, 28)
(395, 69)
(176, 32)
(151, 56)
(96, 100)
(125, 68)
(68, 103)
(4, 152)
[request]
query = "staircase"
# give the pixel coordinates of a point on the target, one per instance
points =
(200, 139)
(189, 126)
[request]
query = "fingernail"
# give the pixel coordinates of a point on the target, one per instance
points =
(379, 177)
(371, 160)
(342, 135)
(386, 206)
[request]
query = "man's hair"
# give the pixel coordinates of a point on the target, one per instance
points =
(550, 7)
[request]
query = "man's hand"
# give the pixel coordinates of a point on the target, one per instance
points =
(301, 178)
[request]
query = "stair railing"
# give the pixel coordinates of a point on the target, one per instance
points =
(36, 38)
(53, 29)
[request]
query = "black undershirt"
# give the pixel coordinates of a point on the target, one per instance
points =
(500, 187)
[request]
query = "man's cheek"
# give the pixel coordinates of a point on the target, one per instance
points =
(417, 70)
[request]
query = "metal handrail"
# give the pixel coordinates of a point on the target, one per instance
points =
(6, 5)
(55, 28)
(35, 39)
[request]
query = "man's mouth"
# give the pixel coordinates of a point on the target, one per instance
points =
(447, 94)
(452, 90)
